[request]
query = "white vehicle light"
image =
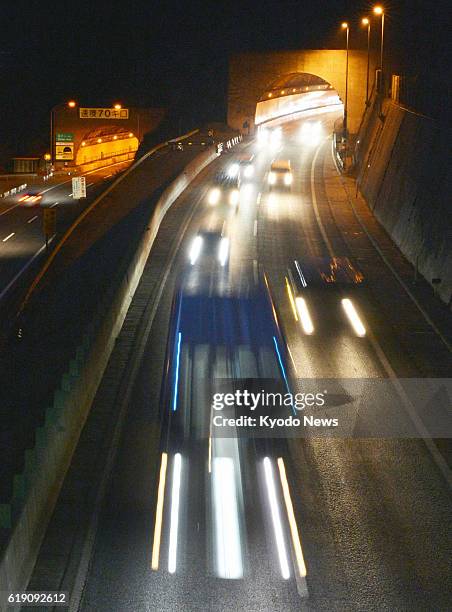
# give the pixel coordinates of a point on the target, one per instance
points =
(233, 170)
(234, 197)
(195, 249)
(353, 317)
(214, 195)
(223, 251)
(305, 317)
(249, 171)
(288, 178)
(271, 178)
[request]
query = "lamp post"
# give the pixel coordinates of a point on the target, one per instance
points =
(379, 11)
(366, 22)
(70, 104)
(345, 27)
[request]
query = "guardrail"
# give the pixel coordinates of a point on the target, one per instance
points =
(13, 191)
(36, 488)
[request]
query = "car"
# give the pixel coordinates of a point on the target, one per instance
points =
(280, 174)
(225, 189)
(31, 198)
(245, 166)
(209, 246)
(325, 291)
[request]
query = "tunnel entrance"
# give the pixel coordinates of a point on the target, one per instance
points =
(108, 144)
(294, 93)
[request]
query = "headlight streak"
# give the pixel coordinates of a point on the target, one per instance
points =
(176, 377)
(214, 196)
(305, 317)
(234, 197)
(174, 521)
(276, 519)
(227, 529)
(291, 299)
(283, 371)
(223, 251)
(159, 514)
(233, 170)
(195, 249)
(353, 317)
(291, 517)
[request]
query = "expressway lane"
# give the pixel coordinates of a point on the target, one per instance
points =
(372, 515)
(21, 231)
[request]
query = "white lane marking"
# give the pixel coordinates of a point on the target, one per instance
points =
(255, 271)
(223, 228)
(90, 184)
(54, 204)
(70, 195)
(5, 212)
(8, 237)
(316, 209)
(255, 227)
(32, 219)
(29, 262)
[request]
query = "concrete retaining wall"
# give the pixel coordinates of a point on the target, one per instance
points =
(405, 177)
(37, 488)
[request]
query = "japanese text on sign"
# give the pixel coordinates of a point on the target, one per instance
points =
(103, 113)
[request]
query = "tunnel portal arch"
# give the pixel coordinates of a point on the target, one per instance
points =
(251, 73)
(105, 143)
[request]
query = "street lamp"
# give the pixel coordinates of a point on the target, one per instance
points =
(345, 27)
(366, 22)
(117, 106)
(379, 11)
(70, 104)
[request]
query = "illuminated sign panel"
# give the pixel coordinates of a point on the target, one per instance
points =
(64, 151)
(103, 113)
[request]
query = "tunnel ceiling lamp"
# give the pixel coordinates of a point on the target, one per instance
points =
(378, 10)
(130, 134)
(99, 140)
(83, 143)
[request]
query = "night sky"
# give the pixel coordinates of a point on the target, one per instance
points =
(174, 53)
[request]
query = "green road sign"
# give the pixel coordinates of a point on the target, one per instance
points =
(64, 137)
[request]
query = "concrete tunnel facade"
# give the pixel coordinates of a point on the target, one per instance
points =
(253, 73)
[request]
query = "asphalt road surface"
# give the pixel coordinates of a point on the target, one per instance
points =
(194, 523)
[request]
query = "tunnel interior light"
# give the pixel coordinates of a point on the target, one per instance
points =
(174, 520)
(353, 317)
(305, 317)
(292, 521)
(227, 527)
(283, 91)
(83, 143)
(159, 514)
(276, 519)
(115, 137)
(130, 134)
(270, 95)
(99, 140)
